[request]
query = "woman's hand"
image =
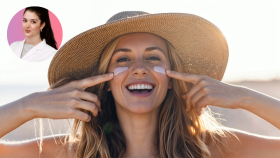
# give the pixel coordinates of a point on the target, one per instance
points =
(209, 91)
(63, 102)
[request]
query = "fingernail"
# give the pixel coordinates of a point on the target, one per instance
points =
(111, 74)
(89, 118)
(168, 71)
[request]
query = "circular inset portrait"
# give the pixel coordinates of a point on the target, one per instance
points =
(34, 34)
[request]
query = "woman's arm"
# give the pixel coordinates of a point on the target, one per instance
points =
(262, 105)
(12, 116)
(249, 145)
(252, 145)
(59, 103)
(208, 91)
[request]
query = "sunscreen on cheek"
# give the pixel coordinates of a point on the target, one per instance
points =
(119, 70)
(159, 69)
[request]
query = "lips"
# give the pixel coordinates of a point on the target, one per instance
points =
(141, 94)
(27, 31)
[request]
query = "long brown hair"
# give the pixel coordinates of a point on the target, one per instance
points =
(47, 32)
(181, 134)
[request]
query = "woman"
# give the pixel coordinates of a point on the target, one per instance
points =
(141, 109)
(39, 43)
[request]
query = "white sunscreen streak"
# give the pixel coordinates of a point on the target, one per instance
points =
(159, 69)
(119, 70)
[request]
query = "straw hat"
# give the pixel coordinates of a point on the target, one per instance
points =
(201, 44)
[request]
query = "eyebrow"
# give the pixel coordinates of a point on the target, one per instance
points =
(32, 19)
(147, 49)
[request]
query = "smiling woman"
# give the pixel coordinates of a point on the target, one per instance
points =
(157, 119)
(140, 112)
(39, 43)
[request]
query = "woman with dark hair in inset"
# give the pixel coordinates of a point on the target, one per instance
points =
(39, 43)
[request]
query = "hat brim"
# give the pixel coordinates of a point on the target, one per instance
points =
(202, 45)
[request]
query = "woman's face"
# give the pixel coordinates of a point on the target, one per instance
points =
(139, 52)
(31, 24)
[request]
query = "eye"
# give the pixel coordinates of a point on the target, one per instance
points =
(120, 59)
(154, 57)
(151, 57)
(24, 20)
(34, 22)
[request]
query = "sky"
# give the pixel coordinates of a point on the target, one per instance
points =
(251, 28)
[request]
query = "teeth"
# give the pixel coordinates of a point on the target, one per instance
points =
(140, 86)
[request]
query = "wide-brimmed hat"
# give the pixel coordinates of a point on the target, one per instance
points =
(200, 43)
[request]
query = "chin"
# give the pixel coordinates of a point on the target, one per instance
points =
(27, 35)
(141, 108)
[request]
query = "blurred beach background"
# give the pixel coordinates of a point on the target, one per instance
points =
(252, 30)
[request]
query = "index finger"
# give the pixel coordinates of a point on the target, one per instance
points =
(192, 78)
(94, 80)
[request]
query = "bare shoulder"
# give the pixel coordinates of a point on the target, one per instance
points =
(245, 144)
(52, 147)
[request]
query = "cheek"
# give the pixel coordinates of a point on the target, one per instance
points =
(161, 75)
(119, 76)
(116, 85)
(35, 27)
(120, 70)
(159, 69)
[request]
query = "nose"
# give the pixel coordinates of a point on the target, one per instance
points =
(27, 24)
(139, 69)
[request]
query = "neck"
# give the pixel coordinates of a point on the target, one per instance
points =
(34, 40)
(140, 132)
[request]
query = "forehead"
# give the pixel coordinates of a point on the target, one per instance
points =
(140, 39)
(30, 15)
